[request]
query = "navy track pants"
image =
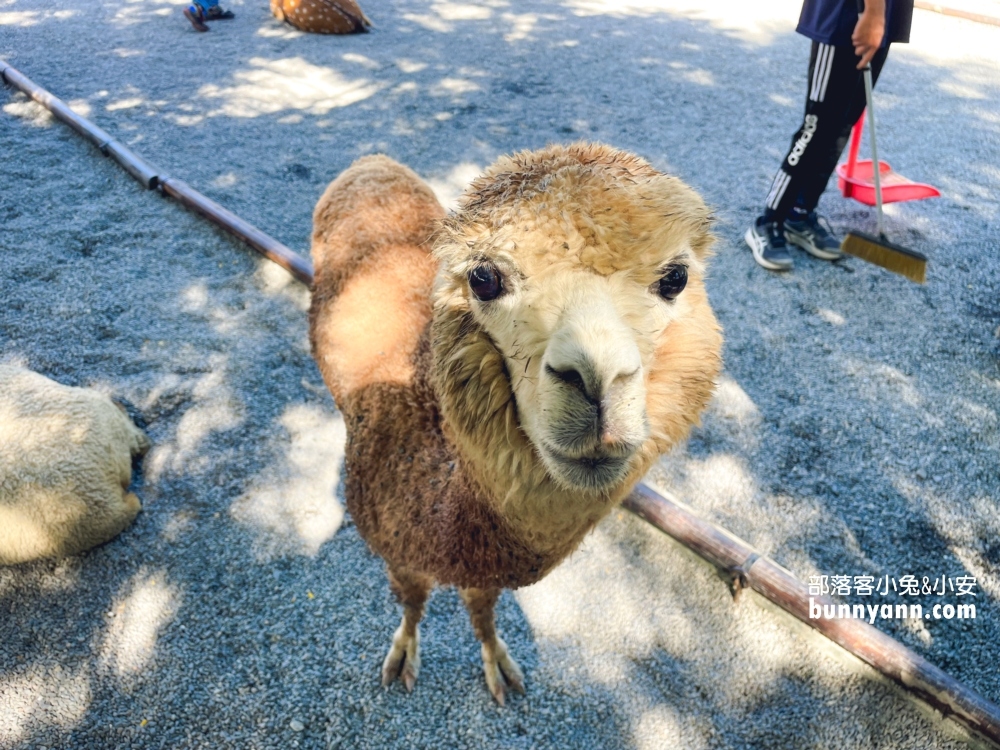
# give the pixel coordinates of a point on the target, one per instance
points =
(835, 98)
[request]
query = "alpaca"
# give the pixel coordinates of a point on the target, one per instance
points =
(65, 467)
(505, 391)
(322, 16)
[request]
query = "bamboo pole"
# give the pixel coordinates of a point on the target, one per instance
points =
(950, 10)
(135, 165)
(263, 243)
(745, 566)
(150, 177)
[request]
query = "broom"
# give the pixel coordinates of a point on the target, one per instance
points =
(879, 250)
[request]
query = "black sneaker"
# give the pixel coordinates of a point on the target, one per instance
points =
(215, 13)
(813, 235)
(767, 241)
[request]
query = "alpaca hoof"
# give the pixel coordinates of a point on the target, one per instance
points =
(502, 673)
(403, 660)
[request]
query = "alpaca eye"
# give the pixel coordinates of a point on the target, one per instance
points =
(673, 281)
(485, 282)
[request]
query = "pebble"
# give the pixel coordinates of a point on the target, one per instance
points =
(227, 408)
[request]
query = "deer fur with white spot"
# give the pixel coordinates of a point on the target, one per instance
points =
(322, 16)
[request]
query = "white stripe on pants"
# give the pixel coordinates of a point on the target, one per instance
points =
(778, 187)
(821, 72)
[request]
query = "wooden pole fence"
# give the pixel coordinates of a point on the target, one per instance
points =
(749, 569)
(948, 9)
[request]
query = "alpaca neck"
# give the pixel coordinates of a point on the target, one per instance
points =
(549, 517)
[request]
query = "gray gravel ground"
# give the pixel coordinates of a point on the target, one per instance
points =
(855, 430)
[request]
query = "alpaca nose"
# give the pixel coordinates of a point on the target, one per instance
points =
(600, 408)
(584, 378)
(593, 351)
(575, 379)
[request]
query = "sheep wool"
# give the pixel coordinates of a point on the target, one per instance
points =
(322, 16)
(65, 467)
(509, 372)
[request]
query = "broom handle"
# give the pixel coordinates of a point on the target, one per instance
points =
(852, 154)
(876, 168)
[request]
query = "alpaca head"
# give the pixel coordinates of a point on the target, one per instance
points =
(571, 321)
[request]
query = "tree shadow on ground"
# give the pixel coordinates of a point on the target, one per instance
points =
(106, 284)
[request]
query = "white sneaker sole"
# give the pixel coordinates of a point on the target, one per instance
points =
(757, 246)
(816, 252)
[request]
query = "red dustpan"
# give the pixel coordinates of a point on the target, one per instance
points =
(855, 178)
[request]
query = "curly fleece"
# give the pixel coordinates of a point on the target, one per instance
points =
(65, 467)
(440, 479)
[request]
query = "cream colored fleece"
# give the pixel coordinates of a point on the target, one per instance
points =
(65, 467)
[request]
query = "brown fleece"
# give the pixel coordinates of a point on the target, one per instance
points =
(369, 323)
(441, 480)
(414, 503)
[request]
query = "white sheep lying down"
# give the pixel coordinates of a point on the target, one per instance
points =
(65, 467)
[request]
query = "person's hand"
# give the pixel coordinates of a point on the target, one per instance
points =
(868, 33)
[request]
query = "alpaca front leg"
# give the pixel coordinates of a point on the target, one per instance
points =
(501, 670)
(403, 660)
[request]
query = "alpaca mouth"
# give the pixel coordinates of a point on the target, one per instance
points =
(592, 472)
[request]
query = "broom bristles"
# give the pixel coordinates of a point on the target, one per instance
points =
(888, 255)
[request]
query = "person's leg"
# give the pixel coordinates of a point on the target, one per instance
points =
(201, 11)
(838, 101)
(832, 89)
(766, 236)
(196, 15)
(852, 83)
